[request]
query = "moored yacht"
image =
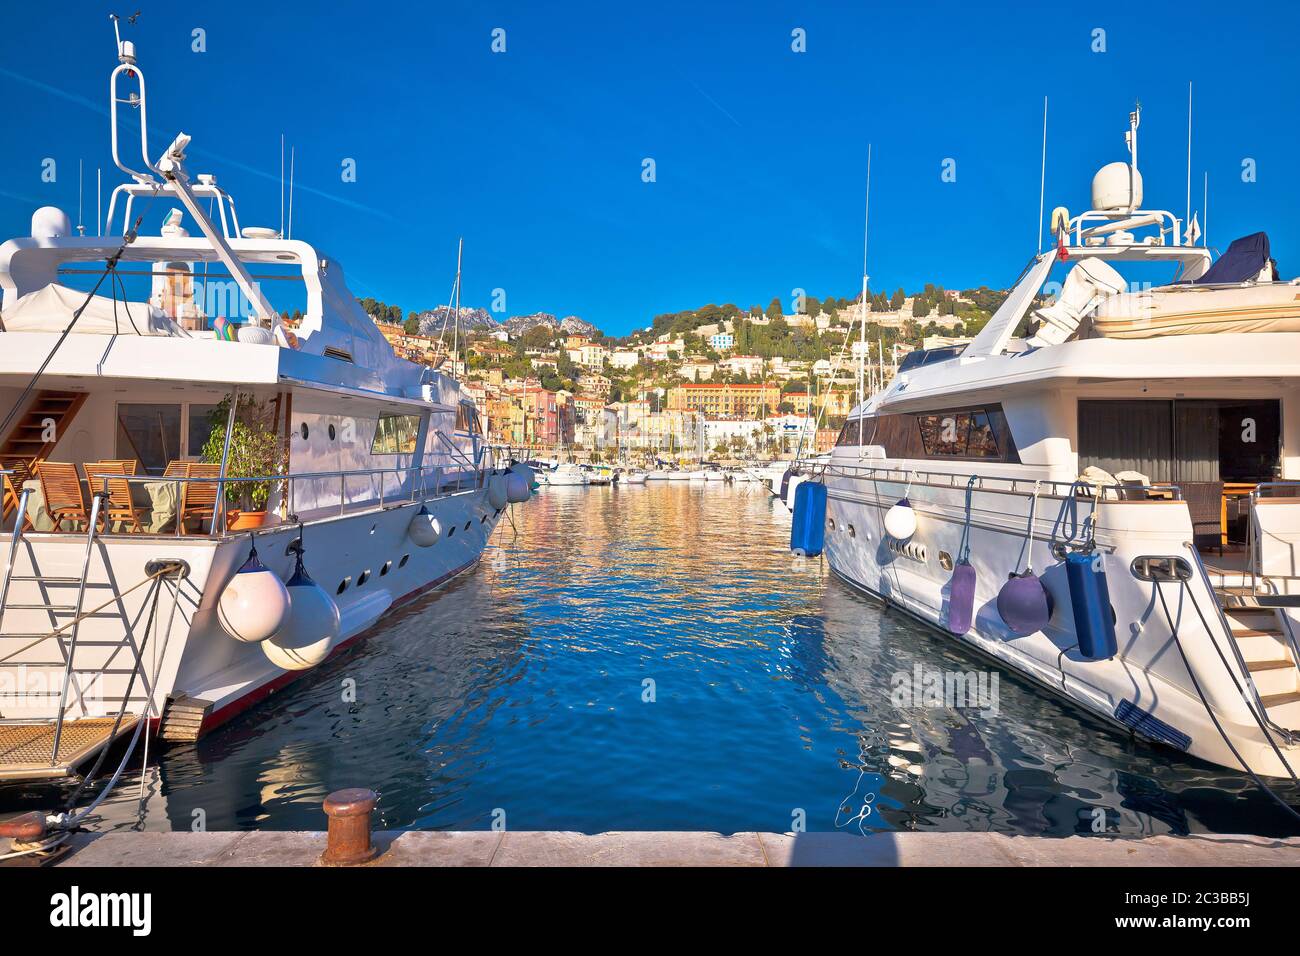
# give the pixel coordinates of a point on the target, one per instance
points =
(1101, 492)
(200, 501)
(565, 474)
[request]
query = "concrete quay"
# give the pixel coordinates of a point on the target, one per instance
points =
(550, 848)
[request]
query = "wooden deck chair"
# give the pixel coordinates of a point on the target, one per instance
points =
(119, 506)
(199, 498)
(21, 469)
(64, 499)
(129, 465)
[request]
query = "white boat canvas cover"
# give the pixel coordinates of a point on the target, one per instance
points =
(51, 308)
(1200, 310)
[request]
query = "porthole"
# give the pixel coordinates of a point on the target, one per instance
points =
(384, 569)
(332, 432)
(405, 558)
(303, 431)
(343, 585)
(364, 577)
(483, 520)
(830, 523)
(852, 532)
(451, 531)
(467, 524)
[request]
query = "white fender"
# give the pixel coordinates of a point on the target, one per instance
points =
(497, 493)
(312, 628)
(900, 521)
(518, 489)
(255, 604)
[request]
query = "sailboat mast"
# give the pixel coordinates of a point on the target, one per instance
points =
(455, 334)
(862, 328)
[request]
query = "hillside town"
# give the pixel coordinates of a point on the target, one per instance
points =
(716, 382)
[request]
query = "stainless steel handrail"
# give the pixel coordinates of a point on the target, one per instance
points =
(419, 485)
(1285, 734)
(19, 517)
(958, 480)
(1255, 544)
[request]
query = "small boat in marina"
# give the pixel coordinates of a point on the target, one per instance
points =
(634, 476)
(565, 474)
(681, 474)
(658, 474)
(600, 474)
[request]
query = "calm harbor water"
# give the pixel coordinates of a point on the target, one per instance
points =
(653, 657)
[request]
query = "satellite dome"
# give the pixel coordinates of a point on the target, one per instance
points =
(1110, 188)
(51, 222)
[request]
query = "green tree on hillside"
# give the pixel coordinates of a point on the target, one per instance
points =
(774, 308)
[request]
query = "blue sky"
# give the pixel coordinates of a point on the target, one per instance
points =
(535, 155)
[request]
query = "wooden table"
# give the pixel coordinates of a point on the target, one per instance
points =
(1232, 489)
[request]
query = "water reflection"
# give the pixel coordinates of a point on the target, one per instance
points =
(652, 657)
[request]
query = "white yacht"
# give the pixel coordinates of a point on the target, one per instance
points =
(1100, 492)
(197, 507)
(565, 474)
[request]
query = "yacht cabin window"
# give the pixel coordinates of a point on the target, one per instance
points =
(958, 435)
(156, 434)
(973, 434)
(396, 435)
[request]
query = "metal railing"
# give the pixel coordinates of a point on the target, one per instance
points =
(1286, 735)
(1255, 541)
(920, 478)
(413, 483)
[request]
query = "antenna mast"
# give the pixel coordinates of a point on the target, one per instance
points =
(862, 328)
(1187, 222)
(455, 333)
(1131, 138)
(291, 153)
(1042, 179)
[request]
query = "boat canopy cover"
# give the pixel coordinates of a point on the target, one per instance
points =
(51, 308)
(1245, 260)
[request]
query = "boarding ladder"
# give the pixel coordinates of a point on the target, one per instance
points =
(81, 661)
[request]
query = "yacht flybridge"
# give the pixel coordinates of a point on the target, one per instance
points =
(1101, 492)
(197, 507)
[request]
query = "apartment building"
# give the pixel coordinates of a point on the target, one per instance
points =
(724, 400)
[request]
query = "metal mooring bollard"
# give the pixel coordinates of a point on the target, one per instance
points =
(348, 840)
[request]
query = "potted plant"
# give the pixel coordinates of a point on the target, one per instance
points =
(255, 451)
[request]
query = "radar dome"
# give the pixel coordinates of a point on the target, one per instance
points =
(1110, 188)
(51, 222)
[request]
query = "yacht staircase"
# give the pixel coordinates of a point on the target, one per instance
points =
(48, 407)
(1265, 643)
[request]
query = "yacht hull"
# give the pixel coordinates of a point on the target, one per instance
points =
(1148, 671)
(365, 561)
